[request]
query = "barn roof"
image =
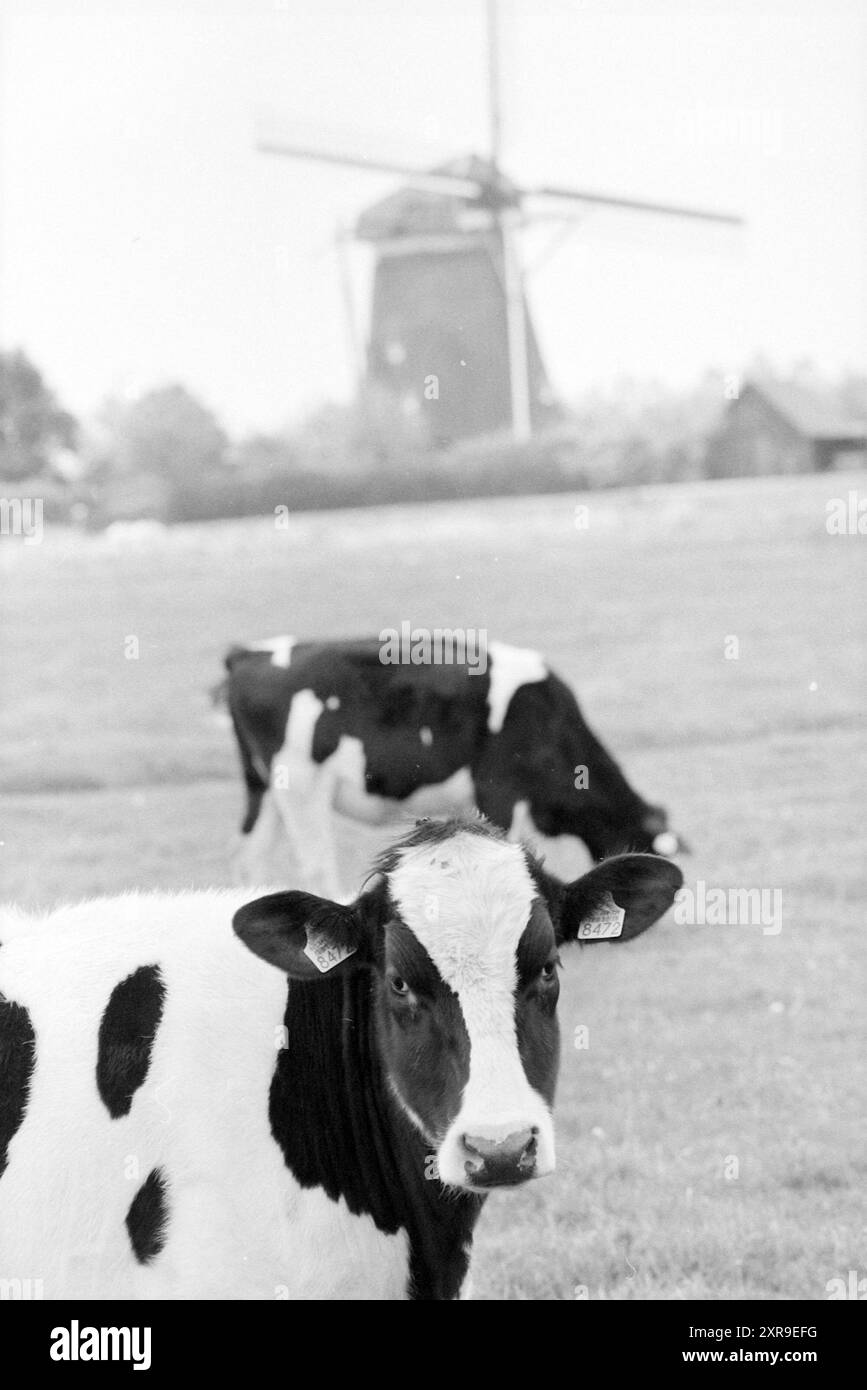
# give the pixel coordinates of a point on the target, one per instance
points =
(813, 412)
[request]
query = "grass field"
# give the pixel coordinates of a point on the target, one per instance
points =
(712, 1139)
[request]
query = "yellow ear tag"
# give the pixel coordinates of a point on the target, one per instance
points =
(605, 923)
(325, 954)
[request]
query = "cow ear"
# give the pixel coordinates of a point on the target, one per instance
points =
(619, 898)
(305, 936)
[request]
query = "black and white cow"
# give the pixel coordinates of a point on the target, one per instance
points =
(175, 1123)
(325, 726)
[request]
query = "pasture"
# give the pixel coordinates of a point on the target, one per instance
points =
(712, 1139)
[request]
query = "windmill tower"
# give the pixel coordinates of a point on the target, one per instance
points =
(450, 332)
(439, 323)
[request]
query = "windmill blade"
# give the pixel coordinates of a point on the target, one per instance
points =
(495, 114)
(342, 242)
(414, 177)
(516, 328)
(609, 200)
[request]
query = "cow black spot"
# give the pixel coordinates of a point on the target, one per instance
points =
(340, 1130)
(147, 1217)
(17, 1059)
(126, 1035)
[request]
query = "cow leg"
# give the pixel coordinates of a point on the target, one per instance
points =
(255, 860)
(306, 808)
(508, 808)
(564, 857)
(497, 801)
(521, 825)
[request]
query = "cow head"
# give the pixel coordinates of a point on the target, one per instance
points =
(461, 933)
(569, 780)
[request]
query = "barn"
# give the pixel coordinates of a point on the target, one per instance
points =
(776, 426)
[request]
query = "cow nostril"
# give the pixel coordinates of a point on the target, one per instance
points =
(475, 1162)
(528, 1155)
(518, 1150)
(475, 1150)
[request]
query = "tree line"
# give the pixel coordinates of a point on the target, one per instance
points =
(166, 454)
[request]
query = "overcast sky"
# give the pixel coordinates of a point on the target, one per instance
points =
(144, 239)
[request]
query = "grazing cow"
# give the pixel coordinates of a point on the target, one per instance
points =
(176, 1122)
(328, 726)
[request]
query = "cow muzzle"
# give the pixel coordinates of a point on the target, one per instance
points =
(498, 1145)
(667, 844)
(500, 1162)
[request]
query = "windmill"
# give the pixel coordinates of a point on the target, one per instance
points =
(450, 331)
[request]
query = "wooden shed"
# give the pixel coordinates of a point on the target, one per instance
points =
(785, 427)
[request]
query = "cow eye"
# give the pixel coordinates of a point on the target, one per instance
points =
(549, 971)
(399, 986)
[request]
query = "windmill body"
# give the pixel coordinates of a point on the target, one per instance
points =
(438, 339)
